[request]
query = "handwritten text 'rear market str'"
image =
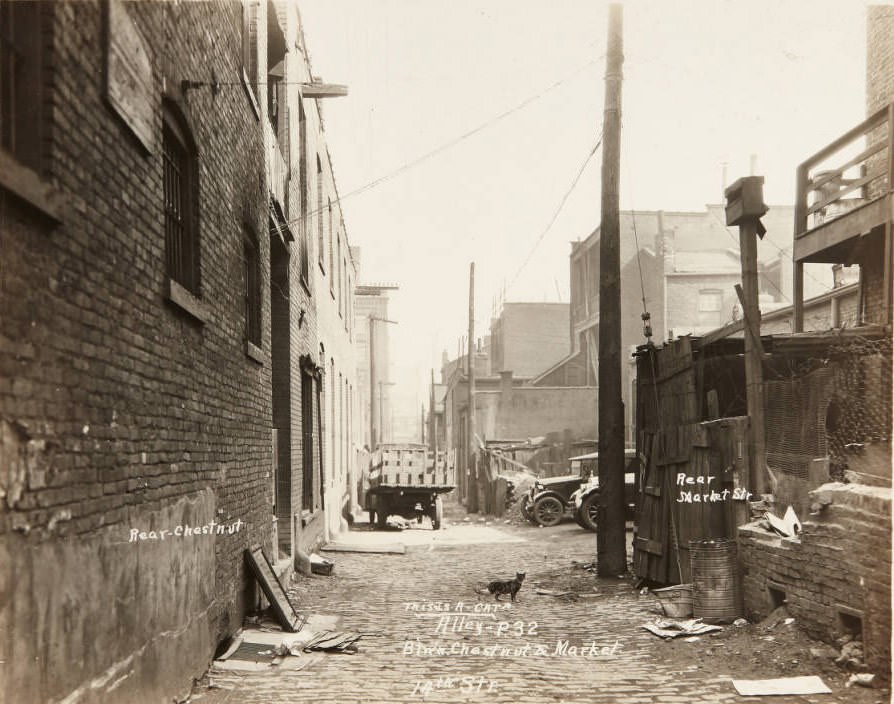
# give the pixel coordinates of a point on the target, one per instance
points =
(709, 495)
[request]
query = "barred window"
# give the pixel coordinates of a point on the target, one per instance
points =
(251, 263)
(181, 201)
(20, 80)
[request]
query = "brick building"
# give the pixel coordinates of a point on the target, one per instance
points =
(372, 341)
(685, 265)
(835, 576)
(328, 282)
(176, 346)
(527, 338)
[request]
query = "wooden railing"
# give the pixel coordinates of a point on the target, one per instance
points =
(831, 183)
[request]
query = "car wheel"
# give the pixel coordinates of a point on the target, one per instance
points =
(525, 508)
(438, 514)
(548, 511)
(589, 510)
(578, 519)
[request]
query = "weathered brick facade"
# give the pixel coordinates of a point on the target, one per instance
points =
(833, 573)
(879, 57)
(119, 409)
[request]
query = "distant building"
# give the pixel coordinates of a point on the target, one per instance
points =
(685, 265)
(527, 338)
(372, 344)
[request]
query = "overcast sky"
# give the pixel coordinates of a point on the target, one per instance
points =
(705, 82)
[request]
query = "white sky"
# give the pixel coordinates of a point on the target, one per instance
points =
(705, 82)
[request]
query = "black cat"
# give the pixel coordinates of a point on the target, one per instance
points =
(506, 586)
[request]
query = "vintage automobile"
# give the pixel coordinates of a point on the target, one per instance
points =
(586, 499)
(549, 498)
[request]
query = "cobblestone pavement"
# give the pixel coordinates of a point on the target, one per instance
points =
(538, 649)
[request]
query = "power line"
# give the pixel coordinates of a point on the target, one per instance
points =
(558, 210)
(453, 142)
(780, 250)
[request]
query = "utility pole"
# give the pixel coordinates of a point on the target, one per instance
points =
(432, 427)
(473, 450)
(744, 207)
(611, 554)
(375, 422)
(372, 383)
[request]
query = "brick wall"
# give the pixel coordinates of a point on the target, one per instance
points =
(840, 564)
(118, 409)
(879, 57)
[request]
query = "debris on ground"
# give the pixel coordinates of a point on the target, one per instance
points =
(320, 565)
(553, 592)
(672, 628)
(864, 679)
(810, 684)
(851, 655)
(334, 642)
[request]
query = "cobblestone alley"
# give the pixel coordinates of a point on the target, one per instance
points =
(543, 648)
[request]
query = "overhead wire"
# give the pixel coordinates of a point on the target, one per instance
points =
(453, 142)
(558, 210)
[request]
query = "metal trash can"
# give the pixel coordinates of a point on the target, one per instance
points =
(716, 583)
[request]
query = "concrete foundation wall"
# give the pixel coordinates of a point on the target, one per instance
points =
(104, 619)
(840, 564)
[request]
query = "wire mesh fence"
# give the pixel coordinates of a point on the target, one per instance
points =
(828, 405)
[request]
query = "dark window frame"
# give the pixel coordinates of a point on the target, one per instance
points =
(181, 203)
(251, 272)
(250, 53)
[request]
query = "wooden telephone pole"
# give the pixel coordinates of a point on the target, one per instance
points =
(611, 554)
(744, 207)
(472, 473)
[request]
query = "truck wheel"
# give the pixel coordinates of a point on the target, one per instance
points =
(438, 515)
(372, 517)
(589, 510)
(382, 520)
(548, 511)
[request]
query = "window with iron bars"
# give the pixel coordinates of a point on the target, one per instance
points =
(181, 206)
(251, 263)
(20, 80)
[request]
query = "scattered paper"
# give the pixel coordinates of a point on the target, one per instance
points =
(670, 628)
(788, 526)
(783, 685)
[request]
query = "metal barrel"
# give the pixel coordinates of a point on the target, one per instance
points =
(716, 585)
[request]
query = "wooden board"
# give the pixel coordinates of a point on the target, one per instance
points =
(273, 589)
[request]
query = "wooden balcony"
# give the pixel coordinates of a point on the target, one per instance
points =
(844, 192)
(842, 197)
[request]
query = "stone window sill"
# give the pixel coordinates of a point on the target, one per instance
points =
(254, 352)
(188, 302)
(28, 186)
